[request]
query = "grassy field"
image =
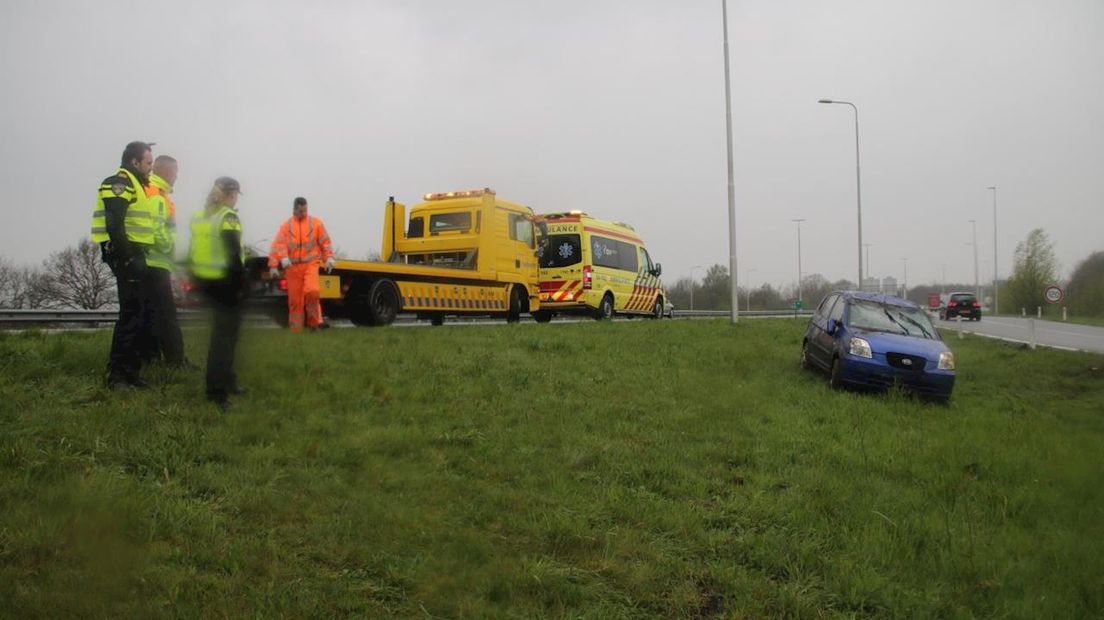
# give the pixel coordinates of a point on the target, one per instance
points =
(668, 469)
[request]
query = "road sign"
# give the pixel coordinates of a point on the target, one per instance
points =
(798, 305)
(1054, 294)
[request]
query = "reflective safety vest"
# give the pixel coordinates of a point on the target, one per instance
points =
(162, 254)
(207, 253)
(139, 215)
(300, 241)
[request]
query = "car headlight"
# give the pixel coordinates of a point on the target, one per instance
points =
(946, 361)
(860, 348)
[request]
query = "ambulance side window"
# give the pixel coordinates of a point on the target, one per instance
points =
(628, 261)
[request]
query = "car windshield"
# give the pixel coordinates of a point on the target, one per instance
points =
(561, 251)
(878, 317)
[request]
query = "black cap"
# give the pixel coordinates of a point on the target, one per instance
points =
(228, 184)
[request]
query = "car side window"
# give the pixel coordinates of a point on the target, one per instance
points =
(826, 305)
(837, 310)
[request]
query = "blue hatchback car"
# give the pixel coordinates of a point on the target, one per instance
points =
(872, 341)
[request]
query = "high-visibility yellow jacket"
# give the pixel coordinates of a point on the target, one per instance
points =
(163, 253)
(207, 253)
(139, 214)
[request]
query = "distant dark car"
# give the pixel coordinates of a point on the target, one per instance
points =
(965, 305)
(872, 341)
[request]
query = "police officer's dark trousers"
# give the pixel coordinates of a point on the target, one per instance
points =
(125, 360)
(163, 337)
(225, 300)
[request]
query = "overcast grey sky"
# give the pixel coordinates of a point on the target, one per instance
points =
(614, 107)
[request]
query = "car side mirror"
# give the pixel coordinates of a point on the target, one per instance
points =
(833, 327)
(658, 270)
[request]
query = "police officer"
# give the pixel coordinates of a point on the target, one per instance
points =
(217, 266)
(122, 224)
(162, 338)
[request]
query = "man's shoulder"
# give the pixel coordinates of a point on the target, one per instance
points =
(117, 184)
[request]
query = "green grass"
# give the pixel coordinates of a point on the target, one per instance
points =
(635, 469)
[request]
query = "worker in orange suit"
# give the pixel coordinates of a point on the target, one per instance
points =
(300, 247)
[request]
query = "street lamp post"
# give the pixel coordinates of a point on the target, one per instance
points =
(731, 183)
(996, 304)
(747, 285)
(692, 284)
(858, 181)
(977, 286)
(798, 222)
(904, 283)
(867, 246)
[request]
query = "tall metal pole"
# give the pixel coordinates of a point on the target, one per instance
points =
(867, 246)
(800, 296)
(904, 284)
(692, 285)
(858, 180)
(996, 278)
(731, 182)
(747, 285)
(977, 286)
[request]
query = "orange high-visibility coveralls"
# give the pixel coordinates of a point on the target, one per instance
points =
(306, 244)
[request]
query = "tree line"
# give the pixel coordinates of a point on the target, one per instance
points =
(1034, 268)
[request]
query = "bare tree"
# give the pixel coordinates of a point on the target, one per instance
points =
(22, 288)
(78, 278)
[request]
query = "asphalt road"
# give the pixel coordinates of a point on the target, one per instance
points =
(1047, 333)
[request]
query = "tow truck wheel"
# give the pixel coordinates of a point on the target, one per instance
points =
(605, 308)
(437, 320)
(513, 315)
(383, 302)
(542, 316)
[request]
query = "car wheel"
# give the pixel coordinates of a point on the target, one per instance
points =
(542, 316)
(605, 308)
(806, 363)
(836, 377)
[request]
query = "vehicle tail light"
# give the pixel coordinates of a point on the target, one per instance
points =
(977, 304)
(282, 284)
(186, 286)
(587, 277)
(952, 304)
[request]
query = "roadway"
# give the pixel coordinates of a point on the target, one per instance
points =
(1047, 333)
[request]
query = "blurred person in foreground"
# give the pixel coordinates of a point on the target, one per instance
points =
(122, 225)
(217, 260)
(300, 247)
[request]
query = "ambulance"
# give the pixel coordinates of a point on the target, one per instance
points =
(596, 268)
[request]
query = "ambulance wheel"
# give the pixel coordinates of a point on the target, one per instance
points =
(657, 309)
(542, 316)
(383, 302)
(437, 320)
(605, 308)
(513, 315)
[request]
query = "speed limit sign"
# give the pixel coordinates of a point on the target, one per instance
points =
(1054, 294)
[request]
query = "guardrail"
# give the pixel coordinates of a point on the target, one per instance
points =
(19, 319)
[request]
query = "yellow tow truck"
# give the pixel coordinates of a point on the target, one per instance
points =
(465, 253)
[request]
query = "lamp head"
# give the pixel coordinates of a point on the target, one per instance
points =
(825, 101)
